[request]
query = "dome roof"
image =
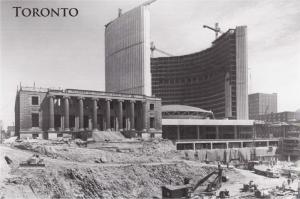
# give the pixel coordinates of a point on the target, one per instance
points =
(182, 108)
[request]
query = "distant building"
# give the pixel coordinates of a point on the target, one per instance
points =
(286, 116)
(49, 113)
(213, 79)
(10, 131)
(262, 104)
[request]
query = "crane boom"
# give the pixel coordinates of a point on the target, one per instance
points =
(217, 29)
(217, 179)
(153, 48)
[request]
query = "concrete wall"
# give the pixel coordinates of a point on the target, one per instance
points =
(127, 53)
(24, 110)
(156, 113)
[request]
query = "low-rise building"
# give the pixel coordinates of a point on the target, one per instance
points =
(49, 113)
(195, 128)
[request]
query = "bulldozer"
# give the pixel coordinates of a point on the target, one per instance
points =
(33, 162)
(187, 190)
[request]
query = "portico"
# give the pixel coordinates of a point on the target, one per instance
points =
(79, 111)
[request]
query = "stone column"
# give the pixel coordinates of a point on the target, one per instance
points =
(66, 110)
(235, 132)
(178, 132)
(217, 133)
(51, 113)
(198, 132)
(132, 126)
(253, 131)
(95, 114)
(108, 114)
(120, 114)
(144, 117)
(81, 113)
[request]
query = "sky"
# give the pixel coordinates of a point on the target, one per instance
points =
(69, 52)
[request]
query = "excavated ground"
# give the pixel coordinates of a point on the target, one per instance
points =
(107, 170)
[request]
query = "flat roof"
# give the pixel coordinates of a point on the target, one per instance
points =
(206, 122)
(182, 108)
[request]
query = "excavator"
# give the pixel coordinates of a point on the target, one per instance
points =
(188, 190)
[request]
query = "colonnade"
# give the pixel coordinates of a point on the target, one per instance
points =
(120, 103)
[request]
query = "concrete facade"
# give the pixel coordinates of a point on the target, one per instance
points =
(193, 128)
(82, 111)
(261, 104)
(185, 122)
(201, 129)
(214, 79)
(127, 53)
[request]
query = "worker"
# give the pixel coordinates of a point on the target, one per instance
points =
(289, 175)
(196, 156)
(250, 183)
(283, 185)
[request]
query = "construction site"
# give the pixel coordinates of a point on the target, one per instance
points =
(136, 168)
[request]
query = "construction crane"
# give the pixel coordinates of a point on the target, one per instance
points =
(217, 29)
(153, 48)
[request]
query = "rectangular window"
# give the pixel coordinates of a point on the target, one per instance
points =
(35, 119)
(151, 106)
(34, 100)
(152, 122)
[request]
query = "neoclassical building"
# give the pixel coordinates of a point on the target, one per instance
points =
(48, 113)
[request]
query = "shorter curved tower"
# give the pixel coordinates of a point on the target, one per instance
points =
(214, 79)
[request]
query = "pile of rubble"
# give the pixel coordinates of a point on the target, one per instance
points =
(130, 181)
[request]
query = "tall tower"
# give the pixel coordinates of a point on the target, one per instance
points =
(127, 52)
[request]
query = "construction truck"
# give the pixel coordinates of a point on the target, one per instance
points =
(187, 190)
(34, 161)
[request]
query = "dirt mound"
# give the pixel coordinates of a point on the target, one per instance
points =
(132, 181)
(118, 152)
(38, 148)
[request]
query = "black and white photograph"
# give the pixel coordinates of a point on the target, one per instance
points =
(154, 99)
